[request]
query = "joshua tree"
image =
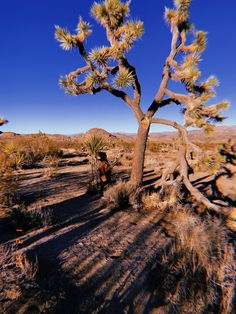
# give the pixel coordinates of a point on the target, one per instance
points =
(99, 73)
(94, 144)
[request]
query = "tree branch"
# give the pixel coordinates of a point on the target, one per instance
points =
(165, 76)
(125, 97)
(85, 55)
(117, 93)
(74, 74)
(183, 164)
(180, 98)
(136, 85)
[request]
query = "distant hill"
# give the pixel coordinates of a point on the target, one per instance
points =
(99, 132)
(221, 134)
(8, 134)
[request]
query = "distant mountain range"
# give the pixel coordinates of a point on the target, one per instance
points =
(221, 133)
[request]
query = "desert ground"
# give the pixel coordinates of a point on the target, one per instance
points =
(66, 249)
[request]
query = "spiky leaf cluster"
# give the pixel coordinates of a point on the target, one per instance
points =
(198, 45)
(67, 40)
(188, 71)
(93, 79)
(203, 116)
(94, 144)
(128, 33)
(3, 121)
(110, 12)
(101, 55)
(182, 7)
(179, 15)
(124, 78)
(83, 30)
(70, 86)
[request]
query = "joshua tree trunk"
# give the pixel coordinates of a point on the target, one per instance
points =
(139, 153)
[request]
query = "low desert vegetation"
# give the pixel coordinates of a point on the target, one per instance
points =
(119, 196)
(8, 181)
(17, 275)
(28, 152)
(199, 263)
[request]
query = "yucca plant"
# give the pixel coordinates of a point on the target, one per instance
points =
(94, 144)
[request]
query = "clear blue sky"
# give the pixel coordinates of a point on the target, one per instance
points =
(31, 62)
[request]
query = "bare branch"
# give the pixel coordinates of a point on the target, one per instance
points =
(136, 85)
(74, 74)
(165, 76)
(85, 55)
(125, 97)
(117, 93)
(180, 98)
(173, 124)
(183, 164)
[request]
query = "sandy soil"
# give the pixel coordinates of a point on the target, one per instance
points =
(91, 260)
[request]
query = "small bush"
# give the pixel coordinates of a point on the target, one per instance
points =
(27, 152)
(19, 217)
(125, 160)
(160, 201)
(210, 162)
(17, 274)
(150, 201)
(8, 181)
(126, 146)
(52, 163)
(199, 264)
(119, 196)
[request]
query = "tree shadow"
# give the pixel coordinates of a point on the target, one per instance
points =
(211, 189)
(104, 283)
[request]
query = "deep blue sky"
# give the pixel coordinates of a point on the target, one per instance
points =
(31, 62)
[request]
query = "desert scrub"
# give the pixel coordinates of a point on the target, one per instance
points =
(26, 152)
(25, 219)
(119, 196)
(52, 164)
(210, 162)
(124, 145)
(19, 217)
(159, 200)
(17, 275)
(151, 161)
(8, 181)
(199, 264)
(126, 160)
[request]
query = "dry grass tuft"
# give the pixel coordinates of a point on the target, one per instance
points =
(8, 181)
(119, 196)
(159, 201)
(17, 274)
(18, 217)
(199, 264)
(52, 164)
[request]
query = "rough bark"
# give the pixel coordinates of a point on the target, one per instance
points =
(139, 153)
